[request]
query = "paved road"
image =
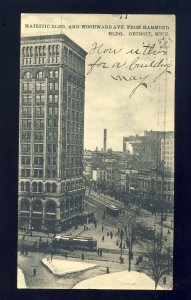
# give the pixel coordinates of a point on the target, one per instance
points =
(97, 203)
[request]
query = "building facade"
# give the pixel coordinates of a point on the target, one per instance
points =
(167, 152)
(52, 84)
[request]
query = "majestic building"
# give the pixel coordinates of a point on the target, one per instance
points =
(52, 83)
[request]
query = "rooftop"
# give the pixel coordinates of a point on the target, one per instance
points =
(59, 37)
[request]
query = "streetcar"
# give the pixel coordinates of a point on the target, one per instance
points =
(145, 230)
(68, 242)
(112, 210)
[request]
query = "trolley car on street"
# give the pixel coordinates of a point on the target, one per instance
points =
(68, 242)
(112, 210)
(146, 231)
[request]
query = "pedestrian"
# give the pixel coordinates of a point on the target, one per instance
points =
(84, 227)
(117, 242)
(51, 256)
(34, 271)
(107, 233)
(164, 280)
(82, 256)
(103, 238)
(102, 228)
(107, 270)
(100, 252)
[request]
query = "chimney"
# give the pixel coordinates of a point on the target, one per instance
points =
(105, 140)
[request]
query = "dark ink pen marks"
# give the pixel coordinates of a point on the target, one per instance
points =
(163, 72)
(100, 49)
(98, 64)
(131, 78)
(142, 83)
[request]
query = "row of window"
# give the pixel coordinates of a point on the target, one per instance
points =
(50, 173)
(74, 92)
(39, 54)
(39, 123)
(40, 74)
(51, 148)
(49, 187)
(28, 51)
(52, 51)
(39, 86)
(73, 60)
(38, 161)
(39, 135)
(52, 98)
(39, 111)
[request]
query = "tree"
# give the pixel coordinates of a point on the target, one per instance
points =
(157, 261)
(130, 233)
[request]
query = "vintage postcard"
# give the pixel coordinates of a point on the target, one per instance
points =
(96, 151)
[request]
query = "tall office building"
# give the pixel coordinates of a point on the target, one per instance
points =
(52, 83)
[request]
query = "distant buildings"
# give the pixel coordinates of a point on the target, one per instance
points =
(167, 152)
(142, 173)
(151, 150)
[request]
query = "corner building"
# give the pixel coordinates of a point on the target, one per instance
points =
(52, 83)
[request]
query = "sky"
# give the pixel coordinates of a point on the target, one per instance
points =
(108, 100)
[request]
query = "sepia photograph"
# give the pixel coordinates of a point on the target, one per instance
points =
(96, 152)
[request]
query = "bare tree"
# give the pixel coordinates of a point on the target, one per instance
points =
(130, 234)
(157, 261)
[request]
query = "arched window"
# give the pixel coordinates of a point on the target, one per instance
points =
(34, 187)
(27, 186)
(48, 187)
(23, 51)
(44, 50)
(22, 186)
(25, 205)
(36, 50)
(40, 75)
(40, 187)
(27, 75)
(57, 49)
(56, 74)
(54, 187)
(37, 206)
(50, 207)
(27, 51)
(51, 74)
(31, 51)
(50, 50)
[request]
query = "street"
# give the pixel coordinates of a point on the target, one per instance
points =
(107, 234)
